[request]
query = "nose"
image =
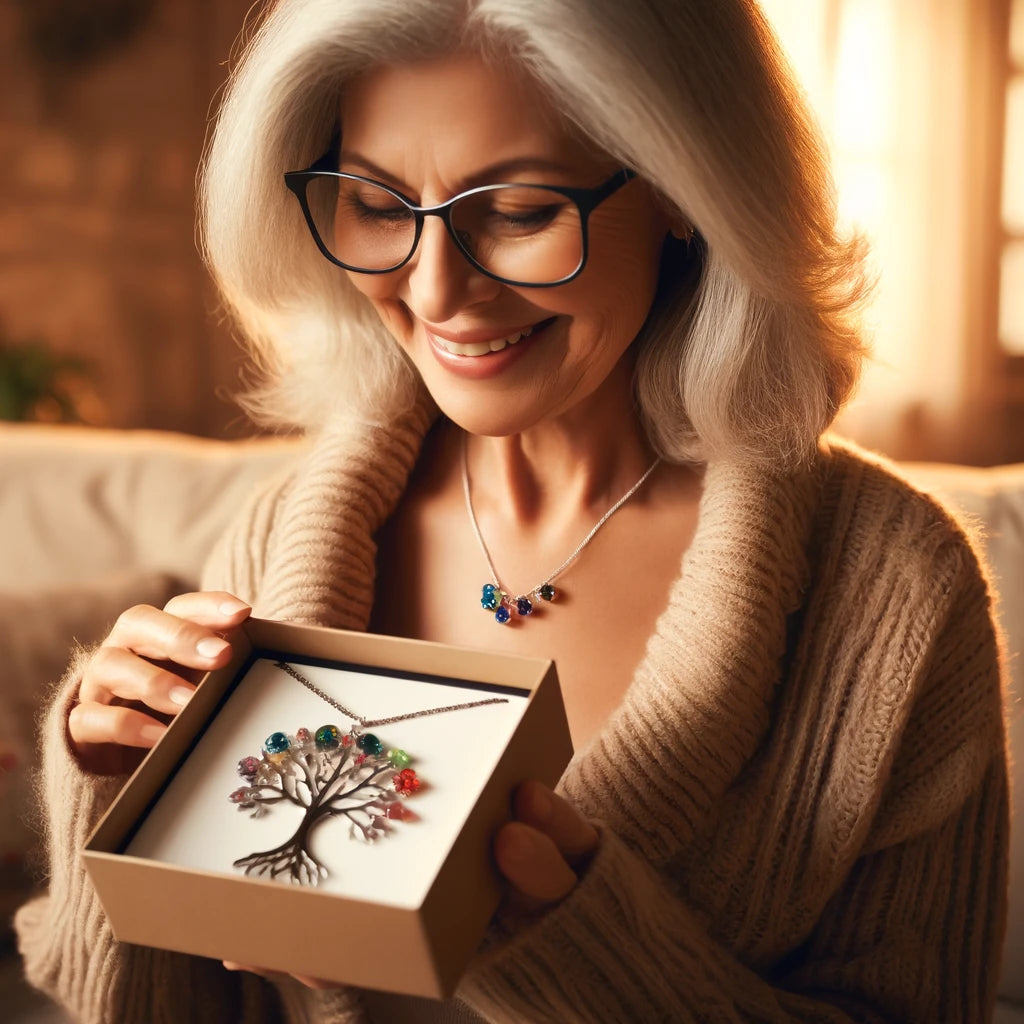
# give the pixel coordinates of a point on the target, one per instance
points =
(440, 281)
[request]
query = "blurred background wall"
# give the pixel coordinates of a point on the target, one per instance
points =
(103, 111)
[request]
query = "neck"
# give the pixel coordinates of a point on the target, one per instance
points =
(569, 467)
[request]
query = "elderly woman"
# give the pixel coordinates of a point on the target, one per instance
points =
(559, 296)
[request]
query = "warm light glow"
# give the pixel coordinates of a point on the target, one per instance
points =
(863, 81)
(1013, 166)
(1011, 295)
(1017, 33)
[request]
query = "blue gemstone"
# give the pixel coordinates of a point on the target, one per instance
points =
(276, 743)
(489, 588)
(502, 615)
(523, 605)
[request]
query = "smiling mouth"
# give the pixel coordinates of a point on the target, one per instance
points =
(486, 348)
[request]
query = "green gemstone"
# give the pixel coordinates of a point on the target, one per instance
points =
(399, 758)
(547, 592)
(369, 744)
(327, 737)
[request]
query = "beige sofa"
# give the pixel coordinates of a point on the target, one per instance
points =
(93, 521)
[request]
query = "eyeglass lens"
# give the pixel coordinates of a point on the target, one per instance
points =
(523, 233)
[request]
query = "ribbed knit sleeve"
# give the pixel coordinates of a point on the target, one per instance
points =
(65, 939)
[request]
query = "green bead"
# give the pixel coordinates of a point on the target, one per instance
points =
(399, 758)
(369, 744)
(327, 737)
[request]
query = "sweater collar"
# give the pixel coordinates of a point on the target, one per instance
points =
(700, 702)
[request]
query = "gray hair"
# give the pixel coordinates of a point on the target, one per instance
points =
(753, 343)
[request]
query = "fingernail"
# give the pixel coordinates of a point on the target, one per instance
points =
(181, 695)
(232, 607)
(211, 647)
(151, 733)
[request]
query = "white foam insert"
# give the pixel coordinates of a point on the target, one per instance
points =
(193, 824)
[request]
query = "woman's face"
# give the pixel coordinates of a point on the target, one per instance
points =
(435, 128)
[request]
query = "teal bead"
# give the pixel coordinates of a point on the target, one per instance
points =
(489, 602)
(399, 758)
(369, 744)
(276, 743)
(327, 737)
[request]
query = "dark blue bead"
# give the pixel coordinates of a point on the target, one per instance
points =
(370, 744)
(523, 605)
(502, 615)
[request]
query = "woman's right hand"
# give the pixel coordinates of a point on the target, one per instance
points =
(143, 674)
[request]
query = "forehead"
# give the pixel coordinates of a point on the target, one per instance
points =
(457, 111)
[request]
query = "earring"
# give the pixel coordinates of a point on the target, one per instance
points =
(684, 231)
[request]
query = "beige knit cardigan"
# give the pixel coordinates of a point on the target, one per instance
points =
(802, 799)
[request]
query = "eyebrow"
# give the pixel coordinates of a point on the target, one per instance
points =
(484, 175)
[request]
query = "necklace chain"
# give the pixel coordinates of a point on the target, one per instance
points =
(546, 582)
(367, 723)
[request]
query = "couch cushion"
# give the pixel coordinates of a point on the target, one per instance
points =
(77, 503)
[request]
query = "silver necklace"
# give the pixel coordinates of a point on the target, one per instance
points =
(494, 597)
(368, 723)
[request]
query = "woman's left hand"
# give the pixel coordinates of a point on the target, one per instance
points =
(540, 853)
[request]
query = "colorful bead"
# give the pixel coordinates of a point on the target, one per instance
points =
(523, 605)
(406, 782)
(399, 758)
(489, 597)
(369, 744)
(546, 592)
(502, 615)
(276, 743)
(327, 737)
(304, 736)
(248, 768)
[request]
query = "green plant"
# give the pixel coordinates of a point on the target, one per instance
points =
(37, 384)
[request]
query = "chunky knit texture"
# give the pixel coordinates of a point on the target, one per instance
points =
(802, 799)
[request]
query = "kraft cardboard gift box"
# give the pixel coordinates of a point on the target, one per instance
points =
(405, 881)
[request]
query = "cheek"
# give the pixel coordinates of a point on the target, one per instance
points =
(379, 291)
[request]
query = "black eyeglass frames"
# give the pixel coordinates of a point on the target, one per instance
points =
(532, 236)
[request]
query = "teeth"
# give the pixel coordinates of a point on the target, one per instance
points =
(483, 348)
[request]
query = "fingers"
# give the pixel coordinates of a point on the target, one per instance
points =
(539, 807)
(117, 672)
(215, 608)
(538, 852)
(145, 662)
(185, 632)
(105, 723)
(314, 983)
(532, 862)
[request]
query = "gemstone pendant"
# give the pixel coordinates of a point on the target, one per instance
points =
(546, 592)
